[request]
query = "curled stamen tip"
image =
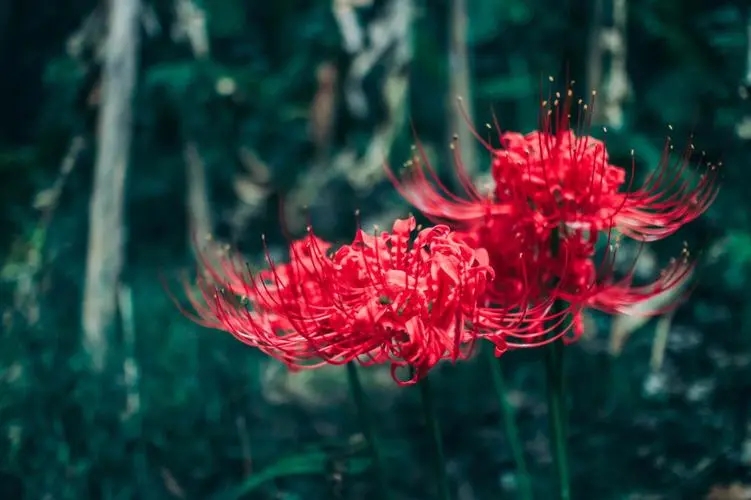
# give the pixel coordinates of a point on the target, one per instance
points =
(263, 237)
(357, 212)
(551, 79)
(594, 92)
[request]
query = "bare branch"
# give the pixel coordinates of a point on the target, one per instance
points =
(131, 371)
(190, 23)
(388, 31)
(460, 86)
(609, 43)
(199, 211)
(349, 27)
(390, 44)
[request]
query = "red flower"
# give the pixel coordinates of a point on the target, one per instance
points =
(408, 298)
(564, 179)
(553, 195)
(571, 181)
(416, 293)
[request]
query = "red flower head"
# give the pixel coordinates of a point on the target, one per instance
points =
(570, 180)
(554, 194)
(557, 177)
(415, 293)
(407, 297)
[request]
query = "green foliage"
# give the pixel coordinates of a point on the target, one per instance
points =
(227, 18)
(315, 463)
(489, 18)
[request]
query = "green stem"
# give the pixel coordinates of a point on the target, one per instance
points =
(366, 423)
(509, 422)
(557, 415)
(439, 461)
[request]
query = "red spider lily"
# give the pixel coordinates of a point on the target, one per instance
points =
(408, 297)
(570, 181)
(416, 291)
(554, 192)
(565, 179)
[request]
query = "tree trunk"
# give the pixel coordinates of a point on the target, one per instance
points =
(106, 234)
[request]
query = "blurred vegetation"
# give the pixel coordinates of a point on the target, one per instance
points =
(271, 112)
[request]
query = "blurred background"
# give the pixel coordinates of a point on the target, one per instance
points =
(128, 125)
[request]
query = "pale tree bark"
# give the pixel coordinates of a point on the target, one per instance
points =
(190, 24)
(390, 43)
(608, 42)
(198, 207)
(131, 369)
(460, 88)
(106, 233)
(384, 41)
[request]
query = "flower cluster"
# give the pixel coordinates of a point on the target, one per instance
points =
(515, 264)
